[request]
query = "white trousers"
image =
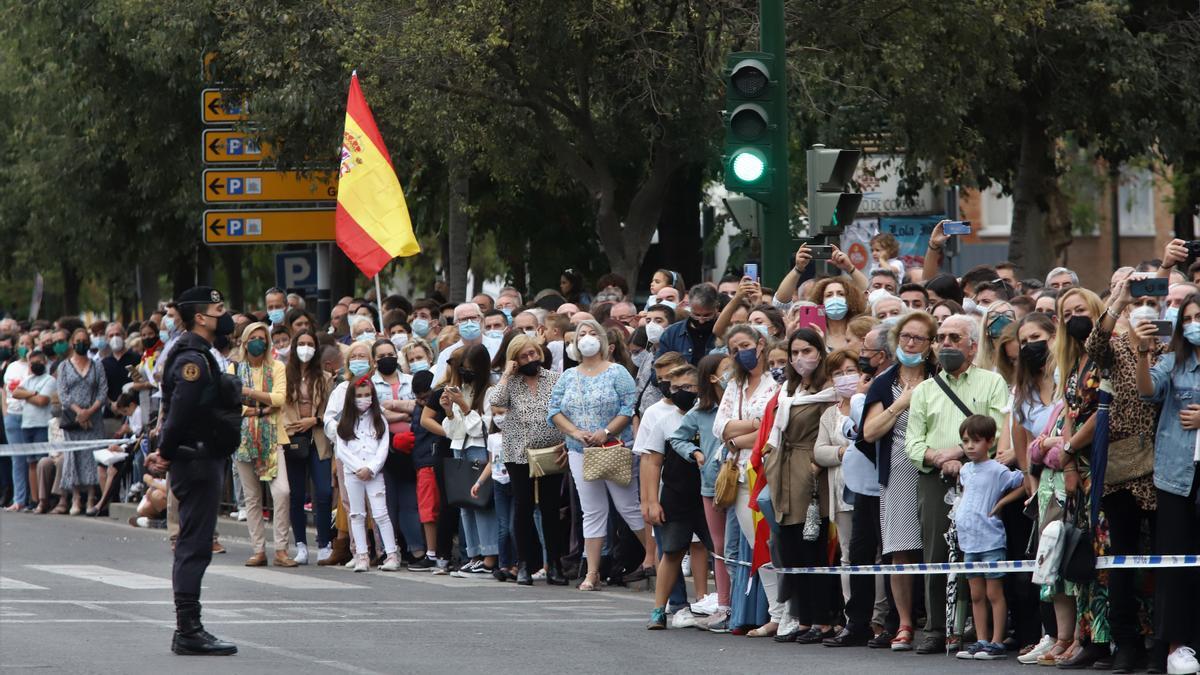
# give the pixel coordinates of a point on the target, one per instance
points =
(769, 578)
(358, 493)
(593, 499)
(281, 499)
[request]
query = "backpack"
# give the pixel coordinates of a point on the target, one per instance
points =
(222, 399)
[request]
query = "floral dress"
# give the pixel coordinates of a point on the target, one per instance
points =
(79, 467)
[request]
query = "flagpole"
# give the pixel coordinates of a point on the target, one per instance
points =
(379, 303)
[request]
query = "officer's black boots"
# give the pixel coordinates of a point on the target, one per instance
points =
(190, 636)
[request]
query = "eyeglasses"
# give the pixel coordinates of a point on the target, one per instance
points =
(914, 339)
(953, 338)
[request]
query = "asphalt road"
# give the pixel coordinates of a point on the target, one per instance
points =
(79, 595)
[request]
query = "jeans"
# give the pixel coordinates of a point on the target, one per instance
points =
(360, 493)
(320, 471)
(20, 463)
(479, 527)
(502, 493)
(401, 482)
(678, 598)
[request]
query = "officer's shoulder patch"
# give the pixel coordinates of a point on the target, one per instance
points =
(191, 372)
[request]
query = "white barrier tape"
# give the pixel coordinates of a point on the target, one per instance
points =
(17, 449)
(1102, 563)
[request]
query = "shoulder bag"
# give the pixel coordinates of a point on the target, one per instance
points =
(460, 474)
(725, 488)
(1129, 458)
(547, 461)
(299, 447)
(1078, 555)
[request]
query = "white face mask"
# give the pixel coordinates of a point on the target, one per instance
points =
(589, 345)
(283, 352)
(117, 344)
(846, 385)
(805, 366)
(654, 331)
(1139, 315)
(399, 340)
(530, 333)
(305, 353)
(363, 403)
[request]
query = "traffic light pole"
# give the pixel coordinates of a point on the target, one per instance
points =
(776, 234)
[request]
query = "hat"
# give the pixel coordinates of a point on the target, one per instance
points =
(422, 382)
(200, 295)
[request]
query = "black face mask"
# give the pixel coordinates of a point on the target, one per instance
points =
(705, 328)
(1079, 327)
(665, 388)
(864, 365)
(387, 364)
(530, 369)
(1034, 354)
(466, 375)
(37, 368)
(149, 341)
(224, 325)
(684, 400)
(81, 348)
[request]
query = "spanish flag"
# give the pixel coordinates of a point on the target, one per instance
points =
(756, 478)
(372, 225)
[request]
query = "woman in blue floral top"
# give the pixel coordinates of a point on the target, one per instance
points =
(593, 404)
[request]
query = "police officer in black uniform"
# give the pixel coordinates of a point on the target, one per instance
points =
(193, 446)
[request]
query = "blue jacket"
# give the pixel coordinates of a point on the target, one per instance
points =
(676, 338)
(1174, 446)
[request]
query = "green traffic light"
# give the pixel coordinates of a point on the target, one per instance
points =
(748, 165)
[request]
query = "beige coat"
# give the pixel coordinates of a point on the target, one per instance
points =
(291, 413)
(789, 467)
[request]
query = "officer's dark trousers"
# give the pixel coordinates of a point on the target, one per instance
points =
(197, 486)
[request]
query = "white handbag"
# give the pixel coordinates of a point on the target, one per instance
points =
(1049, 553)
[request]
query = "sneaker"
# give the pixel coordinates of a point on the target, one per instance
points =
(882, 640)
(971, 650)
(990, 651)
(658, 619)
(325, 552)
(1182, 661)
(464, 570)
(361, 563)
(392, 564)
(718, 622)
(423, 565)
(706, 605)
(441, 568)
(683, 619)
(539, 575)
(301, 554)
(481, 570)
(353, 559)
(241, 515)
(233, 514)
(687, 564)
(142, 521)
(1031, 657)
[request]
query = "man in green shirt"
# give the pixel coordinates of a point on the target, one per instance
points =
(931, 441)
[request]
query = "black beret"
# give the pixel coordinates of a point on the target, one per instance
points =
(200, 295)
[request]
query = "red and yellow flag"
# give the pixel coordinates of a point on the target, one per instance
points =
(372, 225)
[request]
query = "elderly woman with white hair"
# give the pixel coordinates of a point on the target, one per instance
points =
(592, 405)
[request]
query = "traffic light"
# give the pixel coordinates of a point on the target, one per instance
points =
(831, 204)
(755, 125)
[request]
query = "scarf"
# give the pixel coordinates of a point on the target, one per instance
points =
(259, 433)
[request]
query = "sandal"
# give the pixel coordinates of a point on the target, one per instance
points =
(903, 640)
(589, 585)
(766, 630)
(1056, 652)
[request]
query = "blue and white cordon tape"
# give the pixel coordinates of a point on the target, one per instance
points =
(1102, 563)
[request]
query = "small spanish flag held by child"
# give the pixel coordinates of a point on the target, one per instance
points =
(372, 222)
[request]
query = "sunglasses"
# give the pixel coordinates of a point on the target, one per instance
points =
(953, 338)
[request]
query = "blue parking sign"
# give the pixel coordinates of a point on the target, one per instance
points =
(235, 186)
(236, 227)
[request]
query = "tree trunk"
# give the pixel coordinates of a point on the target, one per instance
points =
(458, 223)
(148, 288)
(679, 240)
(71, 284)
(626, 241)
(1041, 226)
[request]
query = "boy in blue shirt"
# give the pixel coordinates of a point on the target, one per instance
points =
(984, 482)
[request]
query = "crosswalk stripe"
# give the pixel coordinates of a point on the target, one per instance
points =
(106, 575)
(300, 582)
(7, 584)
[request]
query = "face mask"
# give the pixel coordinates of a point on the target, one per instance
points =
(654, 331)
(704, 328)
(399, 340)
(368, 337)
(805, 366)
(589, 345)
(283, 352)
(363, 403)
(37, 368)
(60, 348)
(1034, 354)
(530, 333)
(1079, 327)
(572, 353)
(969, 306)
(664, 388)
(684, 400)
(951, 359)
(81, 347)
(359, 367)
(725, 378)
(910, 360)
(305, 353)
(762, 329)
(1142, 314)
(150, 340)
(22, 352)
(466, 375)
(747, 359)
(275, 316)
(668, 303)
(997, 325)
(224, 325)
(469, 330)
(496, 335)
(864, 364)
(836, 308)
(1191, 333)
(530, 369)
(418, 366)
(420, 327)
(846, 385)
(1171, 314)
(387, 364)
(778, 374)
(256, 347)
(164, 335)
(168, 324)
(99, 343)
(507, 314)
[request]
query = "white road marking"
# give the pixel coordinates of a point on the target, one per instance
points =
(298, 582)
(207, 602)
(261, 622)
(7, 584)
(107, 575)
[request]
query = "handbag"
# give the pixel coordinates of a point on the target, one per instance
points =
(1049, 554)
(544, 461)
(299, 447)
(460, 475)
(1078, 556)
(812, 519)
(1129, 458)
(609, 462)
(726, 486)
